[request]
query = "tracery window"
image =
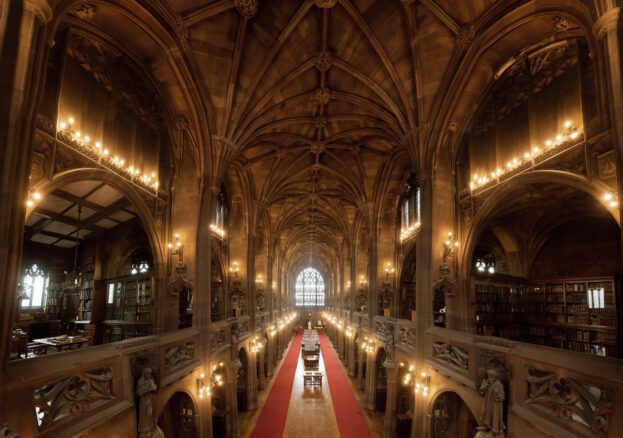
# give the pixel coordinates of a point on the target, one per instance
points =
(309, 289)
(409, 211)
(35, 287)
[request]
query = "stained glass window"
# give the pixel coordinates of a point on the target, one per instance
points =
(35, 287)
(309, 290)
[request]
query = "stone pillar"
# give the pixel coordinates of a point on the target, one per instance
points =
(233, 395)
(352, 353)
(251, 306)
(360, 382)
(269, 286)
(608, 30)
(390, 404)
(269, 350)
(252, 381)
(260, 359)
(370, 395)
(372, 275)
(23, 56)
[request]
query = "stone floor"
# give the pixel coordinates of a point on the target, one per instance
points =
(310, 413)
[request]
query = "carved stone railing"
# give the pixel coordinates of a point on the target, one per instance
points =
(177, 354)
(78, 390)
(405, 335)
(220, 336)
(564, 393)
(262, 319)
(239, 328)
(384, 329)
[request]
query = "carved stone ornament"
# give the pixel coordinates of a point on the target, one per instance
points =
(178, 355)
(323, 61)
(246, 8)
(452, 355)
(407, 337)
(85, 11)
(577, 403)
(322, 96)
(561, 24)
(446, 285)
(72, 396)
(146, 389)
(492, 416)
(325, 4)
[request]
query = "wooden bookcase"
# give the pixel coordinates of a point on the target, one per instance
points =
(128, 308)
(85, 303)
(572, 314)
(54, 299)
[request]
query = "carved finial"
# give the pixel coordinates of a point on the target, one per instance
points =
(325, 4)
(323, 61)
(322, 96)
(84, 12)
(246, 8)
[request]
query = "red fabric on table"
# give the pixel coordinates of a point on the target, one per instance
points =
(273, 417)
(350, 420)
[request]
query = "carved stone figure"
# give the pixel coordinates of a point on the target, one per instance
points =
(146, 390)
(309, 325)
(493, 406)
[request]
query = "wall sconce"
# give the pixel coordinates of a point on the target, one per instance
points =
(272, 331)
(367, 345)
(256, 345)
(217, 230)
(176, 248)
(389, 269)
(349, 332)
(259, 280)
(487, 266)
(421, 382)
(449, 247)
(33, 198)
(202, 389)
(234, 269)
(611, 198)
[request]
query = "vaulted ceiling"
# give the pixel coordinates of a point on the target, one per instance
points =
(317, 110)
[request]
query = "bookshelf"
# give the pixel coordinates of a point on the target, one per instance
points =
(54, 299)
(571, 314)
(127, 311)
(85, 303)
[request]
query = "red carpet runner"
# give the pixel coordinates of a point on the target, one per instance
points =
(272, 419)
(350, 420)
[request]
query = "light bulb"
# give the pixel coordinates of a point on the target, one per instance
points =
(121, 162)
(78, 134)
(63, 125)
(29, 203)
(37, 195)
(608, 196)
(548, 143)
(105, 151)
(71, 120)
(574, 135)
(98, 145)
(568, 124)
(87, 138)
(558, 137)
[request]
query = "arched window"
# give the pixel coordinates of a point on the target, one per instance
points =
(35, 287)
(309, 288)
(409, 211)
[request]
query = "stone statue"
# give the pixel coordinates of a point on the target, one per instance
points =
(309, 325)
(146, 390)
(492, 414)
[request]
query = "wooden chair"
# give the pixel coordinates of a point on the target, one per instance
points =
(88, 332)
(19, 343)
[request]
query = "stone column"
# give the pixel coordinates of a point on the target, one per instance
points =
(608, 30)
(251, 307)
(370, 396)
(260, 359)
(269, 286)
(251, 381)
(353, 284)
(390, 405)
(360, 382)
(23, 56)
(233, 394)
(372, 275)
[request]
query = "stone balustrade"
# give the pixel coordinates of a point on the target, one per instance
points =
(71, 392)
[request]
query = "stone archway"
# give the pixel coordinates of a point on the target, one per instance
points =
(451, 417)
(179, 417)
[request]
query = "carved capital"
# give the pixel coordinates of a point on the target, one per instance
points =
(607, 22)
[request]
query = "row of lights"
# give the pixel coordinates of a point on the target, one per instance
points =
(367, 345)
(612, 199)
(570, 133)
(66, 128)
(34, 197)
(256, 345)
(407, 232)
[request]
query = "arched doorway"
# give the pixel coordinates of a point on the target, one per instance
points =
(380, 382)
(451, 418)
(178, 418)
(243, 381)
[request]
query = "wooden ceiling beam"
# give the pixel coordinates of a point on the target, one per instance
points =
(69, 221)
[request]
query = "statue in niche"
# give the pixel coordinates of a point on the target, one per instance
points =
(492, 414)
(146, 390)
(309, 327)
